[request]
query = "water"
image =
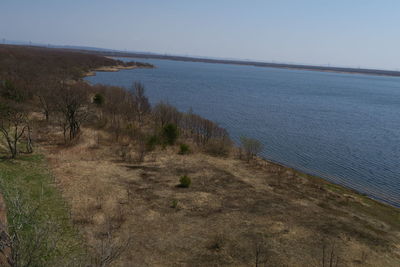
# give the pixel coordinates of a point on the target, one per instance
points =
(342, 127)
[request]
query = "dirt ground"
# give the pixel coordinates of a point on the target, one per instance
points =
(234, 213)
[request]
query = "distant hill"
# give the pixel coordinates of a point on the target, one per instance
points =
(25, 43)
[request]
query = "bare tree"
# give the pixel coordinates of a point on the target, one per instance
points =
(164, 113)
(29, 148)
(251, 147)
(13, 123)
(34, 241)
(72, 104)
(141, 101)
(45, 91)
(110, 247)
(118, 108)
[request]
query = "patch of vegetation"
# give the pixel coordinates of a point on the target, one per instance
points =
(39, 224)
(364, 204)
(185, 181)
(251, 147)
(334, 188)
(184, 149)
(152, 142)
(98, 99)
(375, 209)
(174, 204)
(218, 242)
(170, 133)
(219, 147)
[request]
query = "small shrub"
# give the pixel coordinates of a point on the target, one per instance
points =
(218, 242)
(174, 204)
(218, 147)
(252, 147)
(82, 217)
(9, 91)
(170, 133)
(141, 152)
(152, 142)
(184, 149)
(117, 218)
(98, 99)
(185, 181)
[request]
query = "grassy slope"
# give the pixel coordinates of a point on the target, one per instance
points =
(293, 211)
(29, 180)
(375, 209)
(229, 207)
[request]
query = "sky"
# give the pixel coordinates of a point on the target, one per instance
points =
(350, 33)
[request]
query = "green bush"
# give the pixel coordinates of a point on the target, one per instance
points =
(184, 149)
(170, 133)
(152, 142)
(174, 204)
(98, 99)
(10, 92)
(185, 181)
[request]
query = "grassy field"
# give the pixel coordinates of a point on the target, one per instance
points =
(233, 214)
(38, 217)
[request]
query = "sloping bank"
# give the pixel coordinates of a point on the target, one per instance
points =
(39, 226)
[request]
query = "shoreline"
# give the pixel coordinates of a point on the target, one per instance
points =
(319, 179)
(108, 69)
(345, 70)
(113, 69)
(331, 181)
(269, 161)
(286, 67)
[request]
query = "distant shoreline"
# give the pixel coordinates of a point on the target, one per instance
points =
(112, 69)
(365, 71)
(108, 69)
(375, 72)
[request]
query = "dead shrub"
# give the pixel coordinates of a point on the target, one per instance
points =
(109, 246)
(82, 217)
(218, 242)
(218, 147)
(117, 218)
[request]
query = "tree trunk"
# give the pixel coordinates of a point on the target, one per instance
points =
(46, 114)
(29, 148)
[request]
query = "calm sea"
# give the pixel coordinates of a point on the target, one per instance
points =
(342, 127)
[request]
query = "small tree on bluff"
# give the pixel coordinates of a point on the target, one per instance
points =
(72, 106)
(98, 100)
(13, 124)
(170, 133)
(251, 147)
(13, 115)
(142, 104)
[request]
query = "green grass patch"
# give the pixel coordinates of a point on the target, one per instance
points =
(336, 188)
(365, 205)
(385, 213)
(38, 217)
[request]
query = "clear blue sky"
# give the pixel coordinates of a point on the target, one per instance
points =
(363, 33)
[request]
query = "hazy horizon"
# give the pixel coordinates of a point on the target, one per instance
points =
(357, 34)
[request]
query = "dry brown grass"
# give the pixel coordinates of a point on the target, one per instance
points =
(232, 212)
